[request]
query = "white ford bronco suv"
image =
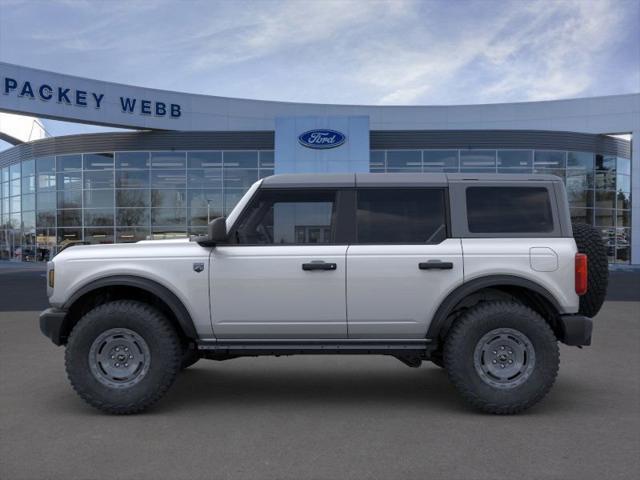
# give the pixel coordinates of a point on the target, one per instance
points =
(480, 274)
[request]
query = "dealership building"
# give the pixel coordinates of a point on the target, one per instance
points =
(189, 158)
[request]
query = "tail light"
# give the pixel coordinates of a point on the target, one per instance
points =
(581, 273)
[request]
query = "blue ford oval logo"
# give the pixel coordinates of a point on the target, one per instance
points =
(322, 138)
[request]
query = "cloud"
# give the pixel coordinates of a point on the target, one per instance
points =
(338, 51)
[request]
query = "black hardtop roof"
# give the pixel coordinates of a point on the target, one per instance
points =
(318, 180)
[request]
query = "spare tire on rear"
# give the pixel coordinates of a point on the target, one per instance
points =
(589, 242)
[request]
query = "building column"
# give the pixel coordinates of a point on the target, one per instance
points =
(635, 197)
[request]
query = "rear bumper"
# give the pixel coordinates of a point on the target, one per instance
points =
(575, 330)
(52, 325)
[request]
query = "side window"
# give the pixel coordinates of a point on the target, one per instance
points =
(509, 210)
(415, 215)
(288, 217)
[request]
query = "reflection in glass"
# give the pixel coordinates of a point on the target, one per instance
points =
(167, 233)
(240, 159)
(46, 218)
(29, 202)
(168, 198)
(45, 165)
(69, 235)
(582, 215)
(202, 198)
(605, 199)
(28, 167)
(98, 235)
(133, 216)
(205, 178)
(132, 179)
(376, 159)
(405, 159)
(98, 217)
(582, 160)
(69, 180)
(604, 218)
(46, 181)
(28, 184)
(204, 159)
(132, 160)
(14, 186)
(482, 161)
(127, 235)
(69, 162)
(239, 178)
(623, 183)
(169, 217)
(132, 198)
(168, 179)
(98, 161)
(266, 159)
(98, 199)
(623, 218)
(579, 197)
(168, 160)
(440, 160)
(70, 218)
(98, 179)
(14, 204)
(70, 199)
(549, 159)
(623, 166)
(521, 159)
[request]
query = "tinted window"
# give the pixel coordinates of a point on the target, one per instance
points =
(401, 216)
(509, 210)
(289, 217)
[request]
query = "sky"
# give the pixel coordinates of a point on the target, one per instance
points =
(394, 52)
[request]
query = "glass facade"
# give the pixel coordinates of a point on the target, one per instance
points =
(116, 197)
(598, 186)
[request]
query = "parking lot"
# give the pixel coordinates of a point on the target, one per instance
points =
(320, 417)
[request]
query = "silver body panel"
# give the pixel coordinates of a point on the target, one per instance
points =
(376, 291)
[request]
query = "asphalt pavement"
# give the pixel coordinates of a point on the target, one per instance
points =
(320, 417)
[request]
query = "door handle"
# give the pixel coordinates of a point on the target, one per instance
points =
(319, 265)
(435, 265)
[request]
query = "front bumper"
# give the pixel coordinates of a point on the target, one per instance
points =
(575, 330)
(53, 325)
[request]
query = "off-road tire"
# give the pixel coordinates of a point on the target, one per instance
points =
(589, 241)
(164, 349)
(189, 356)
(468, 331)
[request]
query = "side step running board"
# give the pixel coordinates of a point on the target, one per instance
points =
(241, 347)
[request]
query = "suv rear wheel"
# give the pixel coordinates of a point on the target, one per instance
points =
(502, 357)
(122, 356)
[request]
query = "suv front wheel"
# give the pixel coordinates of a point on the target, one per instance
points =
(502, 357)
(123, 356)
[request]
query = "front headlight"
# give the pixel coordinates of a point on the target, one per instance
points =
(51, 278)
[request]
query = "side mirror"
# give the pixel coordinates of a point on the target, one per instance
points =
(218, 230)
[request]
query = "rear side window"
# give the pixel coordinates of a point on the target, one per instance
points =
(401, 215)
(509, 210)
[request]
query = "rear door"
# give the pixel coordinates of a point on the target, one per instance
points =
(402, 263)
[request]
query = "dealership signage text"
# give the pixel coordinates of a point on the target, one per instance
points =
(82, 98)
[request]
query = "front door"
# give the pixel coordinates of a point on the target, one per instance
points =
(283, 273)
